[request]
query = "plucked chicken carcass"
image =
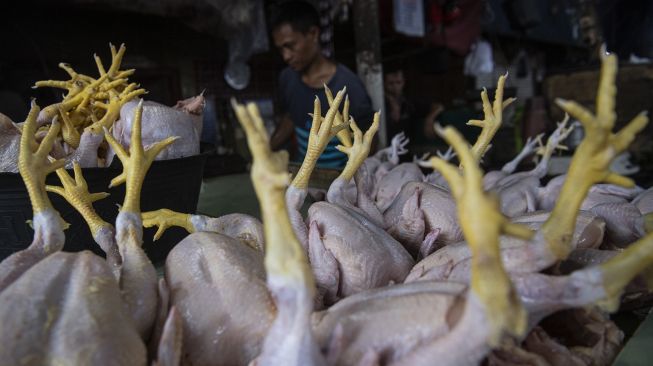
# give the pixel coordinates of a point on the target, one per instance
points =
(9, 145)
(216, 281)
(580, 337)
(346, 248)
(434, 203)
(519, 192)
(644, 201)
(159, 122)
(625, 221)
(491, 178)
(377, 165)
(76, 308)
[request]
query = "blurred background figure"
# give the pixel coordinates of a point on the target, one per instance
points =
(296, 34)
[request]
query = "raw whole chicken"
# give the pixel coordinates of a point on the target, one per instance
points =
(9, 142)
(218, 285)
(625, 222)
(580, 337)
(421, 209)
(453, 262)
(184, 120)
(343, 261)
(518, 192)
(644, 201)
(389, 186)
(491, 178)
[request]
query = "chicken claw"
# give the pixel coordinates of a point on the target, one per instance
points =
(493, 118)
(358, 152)
(591, 162)
(165, 219)
(116, 101)
(322, 131)
(528, 149)
(68, 131)
(340, 119)
(482, 223)
(33, 163)
(75, 191)
(289, 277)
(135, 163)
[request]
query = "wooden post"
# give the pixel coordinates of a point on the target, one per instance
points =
(368, 57)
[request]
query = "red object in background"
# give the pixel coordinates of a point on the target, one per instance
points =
(455, 27)
(452, 14)
(438, 14)
(435, 15)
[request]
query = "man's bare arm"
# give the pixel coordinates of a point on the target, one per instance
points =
(283, 132)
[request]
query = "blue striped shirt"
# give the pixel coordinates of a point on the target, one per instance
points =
(296, 99)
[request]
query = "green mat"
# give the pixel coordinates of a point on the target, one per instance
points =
(232, 194)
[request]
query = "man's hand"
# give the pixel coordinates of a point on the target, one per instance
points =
(282, 134)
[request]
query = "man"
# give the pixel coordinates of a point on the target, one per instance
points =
(404, 116)
(296, 33)
(399, 111)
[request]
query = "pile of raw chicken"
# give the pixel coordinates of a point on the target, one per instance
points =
(394, 268)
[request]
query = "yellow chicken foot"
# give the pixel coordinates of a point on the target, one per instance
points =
(322, 131)
(360, 149)
(135, 163)
(284, 257)
(116, 60)
(165, 219)
(75, 191)
(71, 102)
(493, 118)
(340, 119)
(623, 268)
(590, 164)
(482, 223)
(33, 164)
(137, 277)
(116, 101)
(289, 277)
(68, 130)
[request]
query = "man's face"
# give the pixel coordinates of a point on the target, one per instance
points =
(394, 83)
(297, 49)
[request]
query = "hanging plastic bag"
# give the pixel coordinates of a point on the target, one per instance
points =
(479, 61)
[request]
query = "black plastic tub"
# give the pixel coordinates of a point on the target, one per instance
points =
(174, 184)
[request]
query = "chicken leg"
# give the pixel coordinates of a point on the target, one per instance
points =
(48, 225)
(290, 340)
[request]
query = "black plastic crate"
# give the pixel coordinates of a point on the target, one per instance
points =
(173, 184)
